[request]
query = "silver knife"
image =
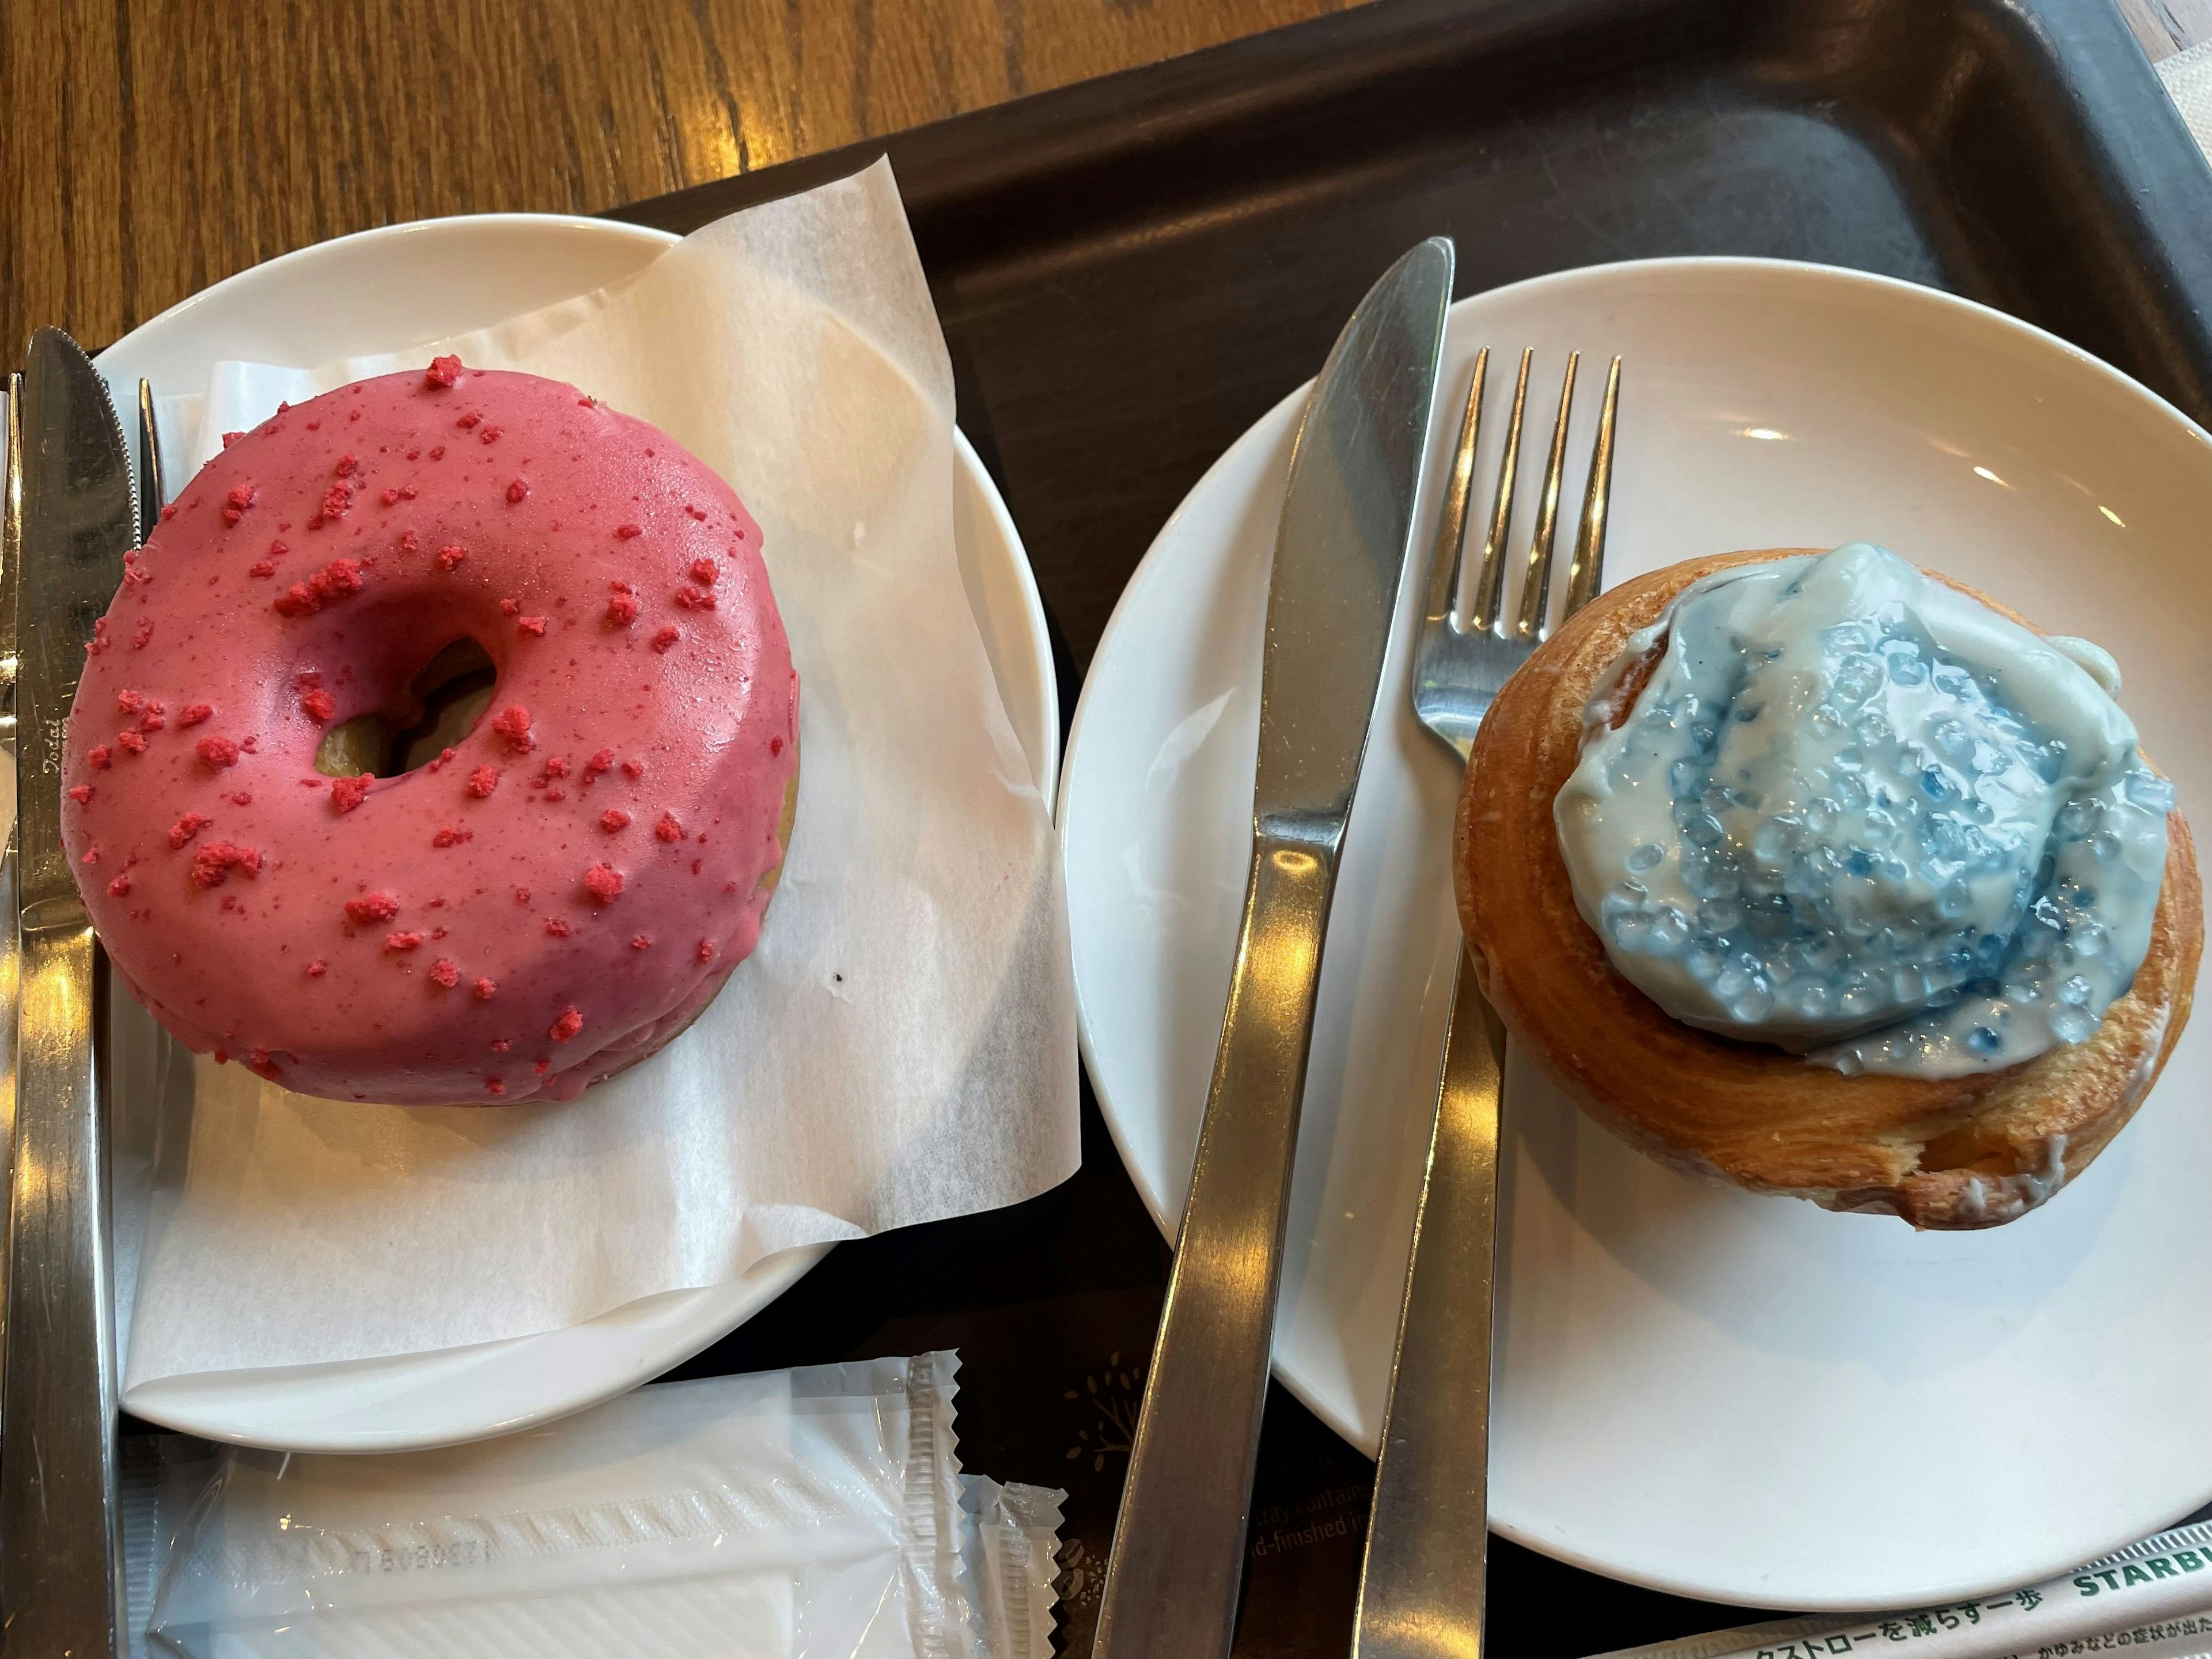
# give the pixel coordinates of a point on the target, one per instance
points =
(1171, 1581)
(60, 1545)
(11, 541)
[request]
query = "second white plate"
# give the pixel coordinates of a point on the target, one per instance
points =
(372, 293)
(1740, 1398)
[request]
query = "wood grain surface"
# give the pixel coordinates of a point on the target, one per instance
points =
(148, 148)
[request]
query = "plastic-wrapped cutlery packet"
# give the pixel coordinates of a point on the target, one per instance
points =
(820, 1511)
(2154, 1599)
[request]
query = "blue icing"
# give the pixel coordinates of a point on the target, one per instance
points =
(1858, 815)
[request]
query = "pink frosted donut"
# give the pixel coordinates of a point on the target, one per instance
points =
(548, 900)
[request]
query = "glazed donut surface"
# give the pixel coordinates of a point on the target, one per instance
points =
(1958, 1153)
(548, 899)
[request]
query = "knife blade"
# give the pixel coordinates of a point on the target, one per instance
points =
(11, 540)
(1172, 1578)
(60, 1543)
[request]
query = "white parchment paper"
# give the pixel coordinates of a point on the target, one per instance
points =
(902, 1046)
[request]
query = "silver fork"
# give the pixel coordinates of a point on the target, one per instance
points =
(1421, 1584)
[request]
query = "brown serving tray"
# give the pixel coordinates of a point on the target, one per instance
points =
(1131, 270)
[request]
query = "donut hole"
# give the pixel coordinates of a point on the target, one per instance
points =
(445, 699)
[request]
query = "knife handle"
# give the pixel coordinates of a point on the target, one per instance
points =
(60, 1544)
(1172, 1580)
(1421, 1590)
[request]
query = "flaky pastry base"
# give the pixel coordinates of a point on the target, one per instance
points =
(1955, 1154)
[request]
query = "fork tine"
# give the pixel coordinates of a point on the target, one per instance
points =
(1489, 579)
(1585, 576)
(1536, 584)
(1451, 527)
(149, 463)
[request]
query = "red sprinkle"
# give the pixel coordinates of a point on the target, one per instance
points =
(694, 599)
(372, 907)
(442, 372)
(141, 634)
(614, 818)
(668, 828)
(642, 942)
(631, 769)
(451, 835)
(566, 1026)
(263, 1067)
(186, 827)
(132, 743)
(533, 626)
(706, 950)
(100, 758)
(390, 497)
(494, 1086)
(665, 639)
(339, 580)
(120, 885)
(169, 512)
(482, 989)
(518, 489)
(604, 882)
(450, 556)
(240, 497)
(484, 781)
(261, 567)
(217, 752)
(213, 863)
(317, 968)
(318, 705)
(348, 466)
(508, 607)
(346, 793)
(128, 702)
(402, 941)
(230, 438)
(703, 572)
(513, 724)
(469, 419)
(193, 713)
(622, 609)
(444, 972)
(557, 928)
(598, 763)
(775, 745)
(80, 792)
(489, 436)
(627, 531)
(556, 766)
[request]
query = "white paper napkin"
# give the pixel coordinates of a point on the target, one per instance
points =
(902, 1046)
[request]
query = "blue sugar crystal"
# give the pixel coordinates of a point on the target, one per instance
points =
(1858, 677)
(1773, 839)
(2070, 1024)
(1646, 856)
(2150, 791)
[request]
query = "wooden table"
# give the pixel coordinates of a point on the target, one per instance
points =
(151, 147)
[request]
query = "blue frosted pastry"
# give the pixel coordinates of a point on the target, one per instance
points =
(1829, 877)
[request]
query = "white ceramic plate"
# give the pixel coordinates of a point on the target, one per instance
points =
(1740, 1398)
(371, 293)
